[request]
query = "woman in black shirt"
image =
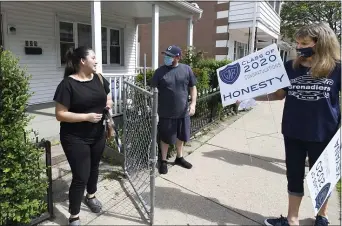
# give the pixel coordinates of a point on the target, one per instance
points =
(80, 100)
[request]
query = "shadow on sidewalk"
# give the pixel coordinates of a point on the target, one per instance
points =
(41, 109)
(241, 159)
(209, 209)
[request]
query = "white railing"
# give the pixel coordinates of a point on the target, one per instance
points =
(141, 69)
(116, 87)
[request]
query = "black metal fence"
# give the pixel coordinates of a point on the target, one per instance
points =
(208, 110)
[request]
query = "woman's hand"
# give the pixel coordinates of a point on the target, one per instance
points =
(94, 117)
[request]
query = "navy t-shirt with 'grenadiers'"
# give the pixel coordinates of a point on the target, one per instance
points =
(311, 110)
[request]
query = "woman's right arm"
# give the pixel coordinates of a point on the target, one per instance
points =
(63, 115)
(277, 95)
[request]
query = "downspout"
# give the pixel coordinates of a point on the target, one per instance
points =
(252, 47)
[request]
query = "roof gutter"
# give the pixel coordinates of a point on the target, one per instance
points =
(188, 7)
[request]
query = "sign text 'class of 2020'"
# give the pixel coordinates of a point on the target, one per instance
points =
(259, 73)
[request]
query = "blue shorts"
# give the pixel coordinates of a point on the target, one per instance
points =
(170, 130)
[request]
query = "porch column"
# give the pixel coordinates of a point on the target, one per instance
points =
(96, 33)
(155, 36)
(190, 36)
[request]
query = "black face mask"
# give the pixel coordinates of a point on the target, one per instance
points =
(305, 52)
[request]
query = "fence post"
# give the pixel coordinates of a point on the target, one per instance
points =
(47, 145)
(145, 82)
(153, 152)
(145, 71)
(124, 114)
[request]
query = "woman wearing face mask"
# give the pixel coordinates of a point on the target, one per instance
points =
(311, 114)
(80, 100)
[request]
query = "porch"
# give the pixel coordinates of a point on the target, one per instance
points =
(40, 33)
(253, 26)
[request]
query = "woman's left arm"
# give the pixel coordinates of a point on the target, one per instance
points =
(109, 103)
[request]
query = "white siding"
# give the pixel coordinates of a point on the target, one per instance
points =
(241, 15)
(268, 16)
(230, 52)
(222, 14)
(220, 57)
(220, 2)
(241, 11)
(36, 21)
(222, 29)
(221, 43)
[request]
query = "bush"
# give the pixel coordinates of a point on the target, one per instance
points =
(195, 58)
(212, 65)
(192, 57)
(140, 77)
(22, 187)
(202, 75)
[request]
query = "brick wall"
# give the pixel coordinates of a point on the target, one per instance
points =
(175, 33)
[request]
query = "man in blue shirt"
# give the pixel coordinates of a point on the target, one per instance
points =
(174, 80)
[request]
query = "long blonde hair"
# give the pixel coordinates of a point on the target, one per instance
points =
(327, 48)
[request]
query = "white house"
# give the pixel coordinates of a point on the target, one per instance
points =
(39, 33)
(251, 26)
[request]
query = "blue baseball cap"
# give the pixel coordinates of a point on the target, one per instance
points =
(173, 51)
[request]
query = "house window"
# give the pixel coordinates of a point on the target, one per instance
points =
(272, 3)
(240, 50)
(114, 46)
(104, 45)
(84, 35)
(277, 7)
(73, 35)
(66, 34)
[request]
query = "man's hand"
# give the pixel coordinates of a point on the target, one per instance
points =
(192, 109)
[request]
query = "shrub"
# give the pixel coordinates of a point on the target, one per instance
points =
(140, 77)
(22, 187)
(202, 75)
(191, 57)
(212, 65)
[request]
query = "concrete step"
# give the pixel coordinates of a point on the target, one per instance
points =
(57, 155)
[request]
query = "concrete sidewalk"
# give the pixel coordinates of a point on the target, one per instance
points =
(238, 178)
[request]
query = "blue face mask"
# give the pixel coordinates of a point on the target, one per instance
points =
(168, 60)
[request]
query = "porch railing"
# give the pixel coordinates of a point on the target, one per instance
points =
(116, 86)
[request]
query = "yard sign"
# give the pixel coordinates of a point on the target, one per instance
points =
(261, 72)
(325, 173)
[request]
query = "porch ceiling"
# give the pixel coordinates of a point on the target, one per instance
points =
(242, 34)
(142, 11)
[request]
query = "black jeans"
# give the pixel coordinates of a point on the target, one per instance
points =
(296, 152)
(84, 160)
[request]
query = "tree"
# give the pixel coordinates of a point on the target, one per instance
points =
(295, 14)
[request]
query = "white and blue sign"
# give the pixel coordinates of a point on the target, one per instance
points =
(259, 73)
(325, 173)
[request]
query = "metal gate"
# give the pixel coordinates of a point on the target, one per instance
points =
(139, 144)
